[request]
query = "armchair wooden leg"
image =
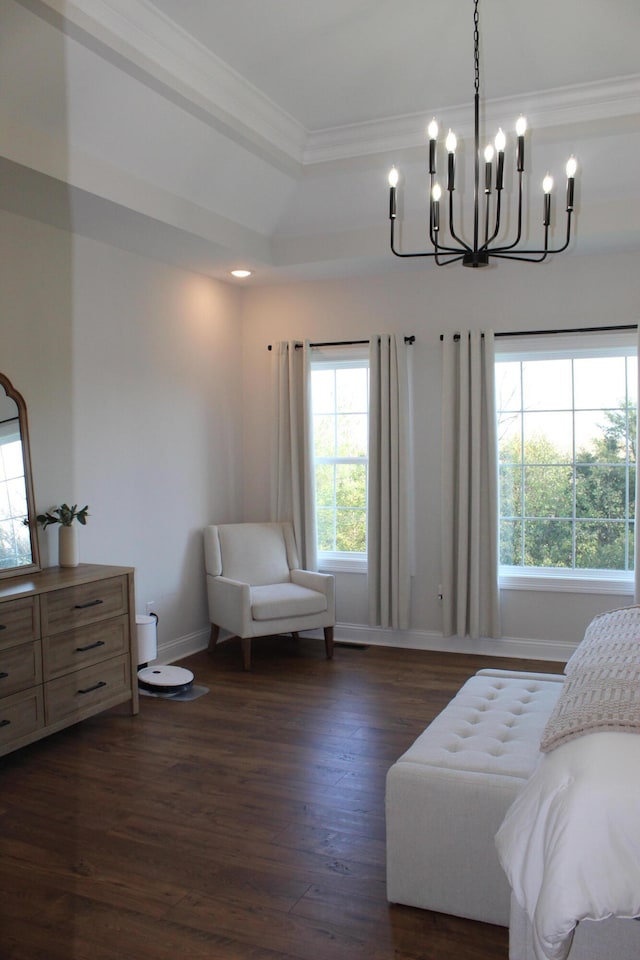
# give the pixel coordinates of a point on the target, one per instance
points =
(328, 642)
(245, 643)
(213, 638)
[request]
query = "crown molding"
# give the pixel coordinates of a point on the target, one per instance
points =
(139, 32)
(157, 46)
(582, 103)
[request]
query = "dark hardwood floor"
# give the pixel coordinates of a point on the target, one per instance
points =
(247, 824)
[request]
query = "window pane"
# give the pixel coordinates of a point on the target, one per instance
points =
(351, 485)
(323, 398)
(352, 390)
(510, 491)
(548, 543)
(324, 440)
(351, 531)
(548, 437)
(600, 546)
(511, 543)
(547, 385)
(548, 491)
(599, 381)
(510, 437)
(352, 437)
(325, 484)
(601, 492)
(325, 529)
(508, 395)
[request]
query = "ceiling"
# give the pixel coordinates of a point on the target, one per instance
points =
(220, 133)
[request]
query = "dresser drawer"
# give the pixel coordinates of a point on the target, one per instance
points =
(79, 694)
(86, 603)
(20, 667)
(20, 715)
(75, 649)
(19, 621)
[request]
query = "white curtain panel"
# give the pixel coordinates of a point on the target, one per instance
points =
(388, 507)
(293, 493)
(470, 600)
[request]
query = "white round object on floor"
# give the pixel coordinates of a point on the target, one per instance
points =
(165, 679)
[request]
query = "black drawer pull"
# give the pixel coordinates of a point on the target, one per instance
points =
(89, 603)
(3, 675)
(90, 646)
(96, 686)
(3, 626)
(4, 723)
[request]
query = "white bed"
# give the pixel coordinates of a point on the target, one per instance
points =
(570, 843)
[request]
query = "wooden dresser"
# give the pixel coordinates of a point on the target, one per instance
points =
(67, 649)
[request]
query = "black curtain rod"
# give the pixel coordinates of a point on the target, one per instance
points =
(347, 343)
(538, 333)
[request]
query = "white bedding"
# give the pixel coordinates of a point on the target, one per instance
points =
(570, 843)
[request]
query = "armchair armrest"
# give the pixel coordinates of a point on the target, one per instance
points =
(322, 582)
(230, 604)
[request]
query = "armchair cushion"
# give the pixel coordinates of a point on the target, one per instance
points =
(278, 600)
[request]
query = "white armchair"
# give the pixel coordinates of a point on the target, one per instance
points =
(255, 587)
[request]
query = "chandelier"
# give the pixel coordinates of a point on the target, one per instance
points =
(485, 242)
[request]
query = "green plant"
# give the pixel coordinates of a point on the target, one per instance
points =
(64, 515)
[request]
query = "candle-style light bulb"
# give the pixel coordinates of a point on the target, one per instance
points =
(547, 187)
(436, 193)
(393, 183)
(521, 126)
(488, 153)
(451, 144)
(571, 168)
(432, 130)
(500, 141)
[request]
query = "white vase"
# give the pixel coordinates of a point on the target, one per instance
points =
(67, 546)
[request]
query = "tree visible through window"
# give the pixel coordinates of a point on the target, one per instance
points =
(567, 460)
(340, 404)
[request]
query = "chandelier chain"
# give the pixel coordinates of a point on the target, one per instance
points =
(476, 47)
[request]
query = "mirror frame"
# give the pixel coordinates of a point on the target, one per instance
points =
(34, 566)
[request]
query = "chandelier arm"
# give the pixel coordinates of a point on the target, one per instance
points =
(463, 246)
(510, 246)
(498, 251)
(516, 256)
(426, 253)
(485, 247)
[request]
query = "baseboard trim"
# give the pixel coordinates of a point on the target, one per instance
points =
(524, 649)
(356, 633)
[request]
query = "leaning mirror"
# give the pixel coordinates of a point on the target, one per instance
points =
(18, 532)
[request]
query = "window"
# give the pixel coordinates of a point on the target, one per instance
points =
(340, 409)
(566, 415)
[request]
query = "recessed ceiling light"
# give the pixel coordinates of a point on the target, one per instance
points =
(241, 273)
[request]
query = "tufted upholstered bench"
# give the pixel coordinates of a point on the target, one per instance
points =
(448, 794)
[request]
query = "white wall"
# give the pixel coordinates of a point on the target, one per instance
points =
(426, 301)
(131, 374)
